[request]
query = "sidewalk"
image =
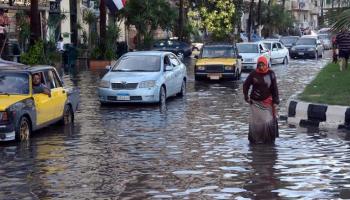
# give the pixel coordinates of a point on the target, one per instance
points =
(305, 113)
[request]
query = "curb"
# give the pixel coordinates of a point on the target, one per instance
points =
(318, 115)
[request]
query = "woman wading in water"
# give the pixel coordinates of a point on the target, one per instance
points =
(263, 99)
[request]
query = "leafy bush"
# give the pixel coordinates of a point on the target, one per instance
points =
(35, 55)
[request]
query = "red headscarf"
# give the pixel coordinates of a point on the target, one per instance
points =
(264, 69)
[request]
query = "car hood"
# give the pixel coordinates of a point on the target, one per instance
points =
(6, 101)
(131, 77)
(304, 46)
(249, 55)
(216, 61)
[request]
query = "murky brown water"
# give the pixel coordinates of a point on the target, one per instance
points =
(195, 148)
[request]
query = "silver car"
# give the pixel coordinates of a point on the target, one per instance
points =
(145, 76)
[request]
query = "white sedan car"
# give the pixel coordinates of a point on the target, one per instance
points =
(279, 53)
(250, 52)
(145, 76)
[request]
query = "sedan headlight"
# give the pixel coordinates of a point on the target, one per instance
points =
(104, 84)
(147, 84)
(201, 68)
(228, 68)
(311, 49)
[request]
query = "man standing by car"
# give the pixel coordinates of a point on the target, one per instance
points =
(343, 42)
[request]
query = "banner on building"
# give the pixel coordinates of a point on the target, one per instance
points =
(114, 5)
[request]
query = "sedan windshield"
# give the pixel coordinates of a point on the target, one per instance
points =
(306, 41)
(14, 83)
(138, 63)
(289, 40)
(218, 52)
(247, 48)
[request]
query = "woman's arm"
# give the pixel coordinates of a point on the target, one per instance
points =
(246, 86)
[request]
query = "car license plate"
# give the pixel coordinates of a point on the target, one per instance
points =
(214, 76)
(301, 53)
(123, 97)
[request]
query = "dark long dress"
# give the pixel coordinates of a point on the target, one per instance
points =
(263, 123)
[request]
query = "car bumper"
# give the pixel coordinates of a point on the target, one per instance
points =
(216, 75)
(7, 133)
(248, 67)
(303, 54)
(140, 95)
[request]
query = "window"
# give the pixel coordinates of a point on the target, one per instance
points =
(279, 46)
(166, 61)
(57, 79)
(174, 60)
(52, 80)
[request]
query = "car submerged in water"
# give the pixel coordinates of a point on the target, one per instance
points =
(143, 77)
(23, 111)
(218, 61)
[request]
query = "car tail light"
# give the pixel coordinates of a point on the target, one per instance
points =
(4, 116)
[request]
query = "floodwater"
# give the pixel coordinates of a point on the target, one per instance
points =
(194, 148)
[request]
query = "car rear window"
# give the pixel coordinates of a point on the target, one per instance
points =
(306, 41)
(14, 83)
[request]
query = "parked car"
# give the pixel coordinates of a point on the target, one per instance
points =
(181, 49)
(279, 53)
(22, 111)
(144, 77)
(218, 61)
(289, 41)
(307, 47)
(197, 46)
(250, 53)
(325, 40)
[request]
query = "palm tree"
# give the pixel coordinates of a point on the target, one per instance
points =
(90, 19)
(343, 21)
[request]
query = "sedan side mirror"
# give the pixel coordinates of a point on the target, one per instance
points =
(168, 68)
(108, 67)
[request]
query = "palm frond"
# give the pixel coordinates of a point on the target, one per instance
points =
(342, 22)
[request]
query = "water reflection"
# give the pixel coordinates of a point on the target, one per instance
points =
(263, 180)
(191, 148)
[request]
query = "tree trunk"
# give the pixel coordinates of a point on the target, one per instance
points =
(322, 17)
(181, 20)
(269, 27)
(249, 27)
(283, 5)
(332, 4)
(259, 13)
(102, 26)
(34, 22)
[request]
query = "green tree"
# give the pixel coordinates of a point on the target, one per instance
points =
(342, 21)
(147, 16)
(218, 18)
(90, 19)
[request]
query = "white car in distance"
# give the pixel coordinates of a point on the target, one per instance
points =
(279, 53)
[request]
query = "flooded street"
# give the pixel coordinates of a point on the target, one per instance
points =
(195, 148)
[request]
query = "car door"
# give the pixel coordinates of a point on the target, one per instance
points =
(43, 104)
(177, 72)
(274, 53)
(281, 52)
(169, 76)
(58, 93)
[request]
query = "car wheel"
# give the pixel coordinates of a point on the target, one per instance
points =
(285, 60)
(23, 131)
(68, 116)
(183, 89)
(162, 96)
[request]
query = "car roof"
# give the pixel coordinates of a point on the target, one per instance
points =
(290, 36)
(219, 44)
(256, 43)
(19, 67)
(147, 53)
(309, 36)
